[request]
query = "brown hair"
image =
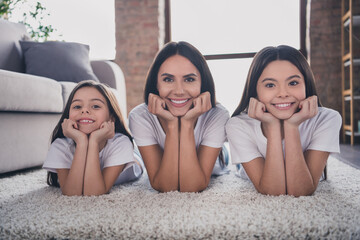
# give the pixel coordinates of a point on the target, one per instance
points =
(114, 109)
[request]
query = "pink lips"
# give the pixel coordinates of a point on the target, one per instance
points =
(283, 106)
(179, 102)
(85, 121)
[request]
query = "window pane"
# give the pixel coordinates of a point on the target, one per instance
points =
(233, 26)
(229, 77)
(83, 21)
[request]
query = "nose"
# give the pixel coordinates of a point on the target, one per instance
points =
(85, 110)
(179, 88)
(283, 92)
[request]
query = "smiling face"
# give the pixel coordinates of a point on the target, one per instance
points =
(89, 109)
(178, 83)
(281, 87)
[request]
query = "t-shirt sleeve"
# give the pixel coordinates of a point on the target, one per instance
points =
(58, 156)
(141, 128)
(326, 133)
(119, 151)
(243, 147)
(215, 135)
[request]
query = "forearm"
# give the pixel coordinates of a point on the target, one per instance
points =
(272, 181)
(94, 183)
(191, 175)
(298, 177)
(74, 181)
(167, 176)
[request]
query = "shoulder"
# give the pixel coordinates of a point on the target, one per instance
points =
(62, 143)
(139, 110)
(217, 111)
(120, 138)
(327, 115)
(242, 120)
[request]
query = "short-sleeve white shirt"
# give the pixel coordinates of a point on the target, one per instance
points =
(117, 151)
(248, 142)
(209, 129)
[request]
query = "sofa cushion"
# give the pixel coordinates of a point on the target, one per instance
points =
(10, 50)
(28, 93)
(67, 88)
(62, 61)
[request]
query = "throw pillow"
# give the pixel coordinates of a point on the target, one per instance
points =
(62, 61)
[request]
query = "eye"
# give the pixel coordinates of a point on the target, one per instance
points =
(269, 85)
(96, 106)
(189, 79)
(167, 79)
(293, 83)
(76, 107)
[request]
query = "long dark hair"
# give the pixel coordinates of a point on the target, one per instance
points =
(114, 109)
(188, 51)
(259, 63)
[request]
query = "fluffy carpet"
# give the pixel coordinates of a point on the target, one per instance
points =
(229, 208)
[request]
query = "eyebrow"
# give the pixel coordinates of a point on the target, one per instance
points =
(187, 75)
(94, 99)
(287, 79)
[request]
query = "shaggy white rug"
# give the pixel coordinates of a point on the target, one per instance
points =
(229, 208)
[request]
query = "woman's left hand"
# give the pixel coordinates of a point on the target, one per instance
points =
(308, 109)
(201, 104)
(105, 132)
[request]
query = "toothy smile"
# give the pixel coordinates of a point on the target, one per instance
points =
(179, 101)
(86, 121)
(282, 105)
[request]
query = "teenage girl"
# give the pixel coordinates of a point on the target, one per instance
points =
(91, 149)
(180, 129)
(279, 132)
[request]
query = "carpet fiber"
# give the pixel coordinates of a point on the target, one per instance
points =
(229, 208)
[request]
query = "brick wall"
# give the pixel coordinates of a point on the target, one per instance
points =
(325, 50)
(137, 42)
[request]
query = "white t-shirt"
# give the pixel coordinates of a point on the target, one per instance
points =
(248, 142)
(117, 151)
(209, 130)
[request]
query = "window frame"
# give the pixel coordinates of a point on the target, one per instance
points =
(302, 15)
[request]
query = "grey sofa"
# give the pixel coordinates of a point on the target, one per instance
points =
(30, 105)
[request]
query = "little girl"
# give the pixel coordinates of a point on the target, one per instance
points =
(180, 129)
(279, 132)
(91, 148)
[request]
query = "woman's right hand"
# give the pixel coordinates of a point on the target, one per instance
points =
(257, 110)
(71, 130)
(157, 106)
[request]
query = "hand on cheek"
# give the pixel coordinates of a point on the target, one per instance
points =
(105, 132)
(257, 110)
(157, 106)
(71, 130)
(201, 104)
(308, 108)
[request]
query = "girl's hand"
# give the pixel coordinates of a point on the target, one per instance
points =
(257, 110)
(105, 132)
(308, 109)
(157, 106)
(201, 104)
(71, 130)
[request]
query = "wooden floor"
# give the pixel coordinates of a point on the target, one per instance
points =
(350, 155)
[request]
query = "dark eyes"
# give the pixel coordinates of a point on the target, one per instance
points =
(293, 83)
(78, 107)
(189, 79)
(271, 85)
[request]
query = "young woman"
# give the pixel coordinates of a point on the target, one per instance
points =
(279, 132)
(91, 149)
(180, 129)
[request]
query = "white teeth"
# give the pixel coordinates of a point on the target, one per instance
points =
(283, 105)
(178, 102)
(86, 121)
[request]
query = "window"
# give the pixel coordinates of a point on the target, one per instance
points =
(83, 21)
(230, 32)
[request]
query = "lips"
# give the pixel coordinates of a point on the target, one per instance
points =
(283, 106)
(85, 121)
(179, 102)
